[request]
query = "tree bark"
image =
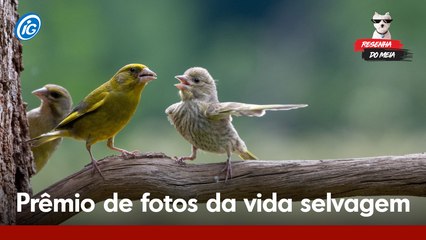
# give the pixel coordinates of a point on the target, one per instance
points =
(296, 179)
(15, 155)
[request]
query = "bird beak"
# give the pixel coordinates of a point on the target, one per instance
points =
(41, 92)
(147, 75)
(184, 84)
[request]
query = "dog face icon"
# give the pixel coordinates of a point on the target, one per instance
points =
(382, 24)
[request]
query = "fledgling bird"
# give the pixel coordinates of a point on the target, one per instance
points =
(56, 103)
(105, 111)
(206, 123)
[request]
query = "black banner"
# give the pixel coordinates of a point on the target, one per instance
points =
(383, 54)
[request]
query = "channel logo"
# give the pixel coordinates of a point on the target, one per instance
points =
(381, 46)
(27, 26)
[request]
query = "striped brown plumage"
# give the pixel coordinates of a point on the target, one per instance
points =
(206, 123)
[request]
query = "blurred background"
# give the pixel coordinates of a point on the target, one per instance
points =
(270, 51)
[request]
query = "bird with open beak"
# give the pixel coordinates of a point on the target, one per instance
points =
(105, 111)
(206, 123)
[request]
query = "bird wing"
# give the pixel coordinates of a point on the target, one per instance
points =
(171, 108)
(170, 111)
(225, 109)
(92, 102)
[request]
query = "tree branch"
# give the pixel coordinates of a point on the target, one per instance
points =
(296, 179)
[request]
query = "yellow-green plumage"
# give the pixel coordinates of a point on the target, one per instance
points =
(247, 155)
(56, 103)
(113, 106)
(206, 123)
(105, 111)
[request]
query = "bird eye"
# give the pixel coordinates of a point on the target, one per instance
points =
(55, 94)
(196, 80)
(132, 70)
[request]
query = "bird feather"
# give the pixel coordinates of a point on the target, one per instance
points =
(225, 109)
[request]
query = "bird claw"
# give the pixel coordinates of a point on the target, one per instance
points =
(180, 160)
(96, 169)
(228, 170)
(128, 154)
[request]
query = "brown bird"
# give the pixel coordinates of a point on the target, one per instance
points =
(55, 105)
(206, 123)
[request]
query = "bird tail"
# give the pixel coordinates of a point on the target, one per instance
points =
(47, 137)
(247, 155)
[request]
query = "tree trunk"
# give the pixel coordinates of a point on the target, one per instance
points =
(16, 165)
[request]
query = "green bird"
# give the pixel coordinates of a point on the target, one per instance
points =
(105, 111)
(206, 123)
(56, 103)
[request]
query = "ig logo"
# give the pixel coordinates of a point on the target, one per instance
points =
(27, 26)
